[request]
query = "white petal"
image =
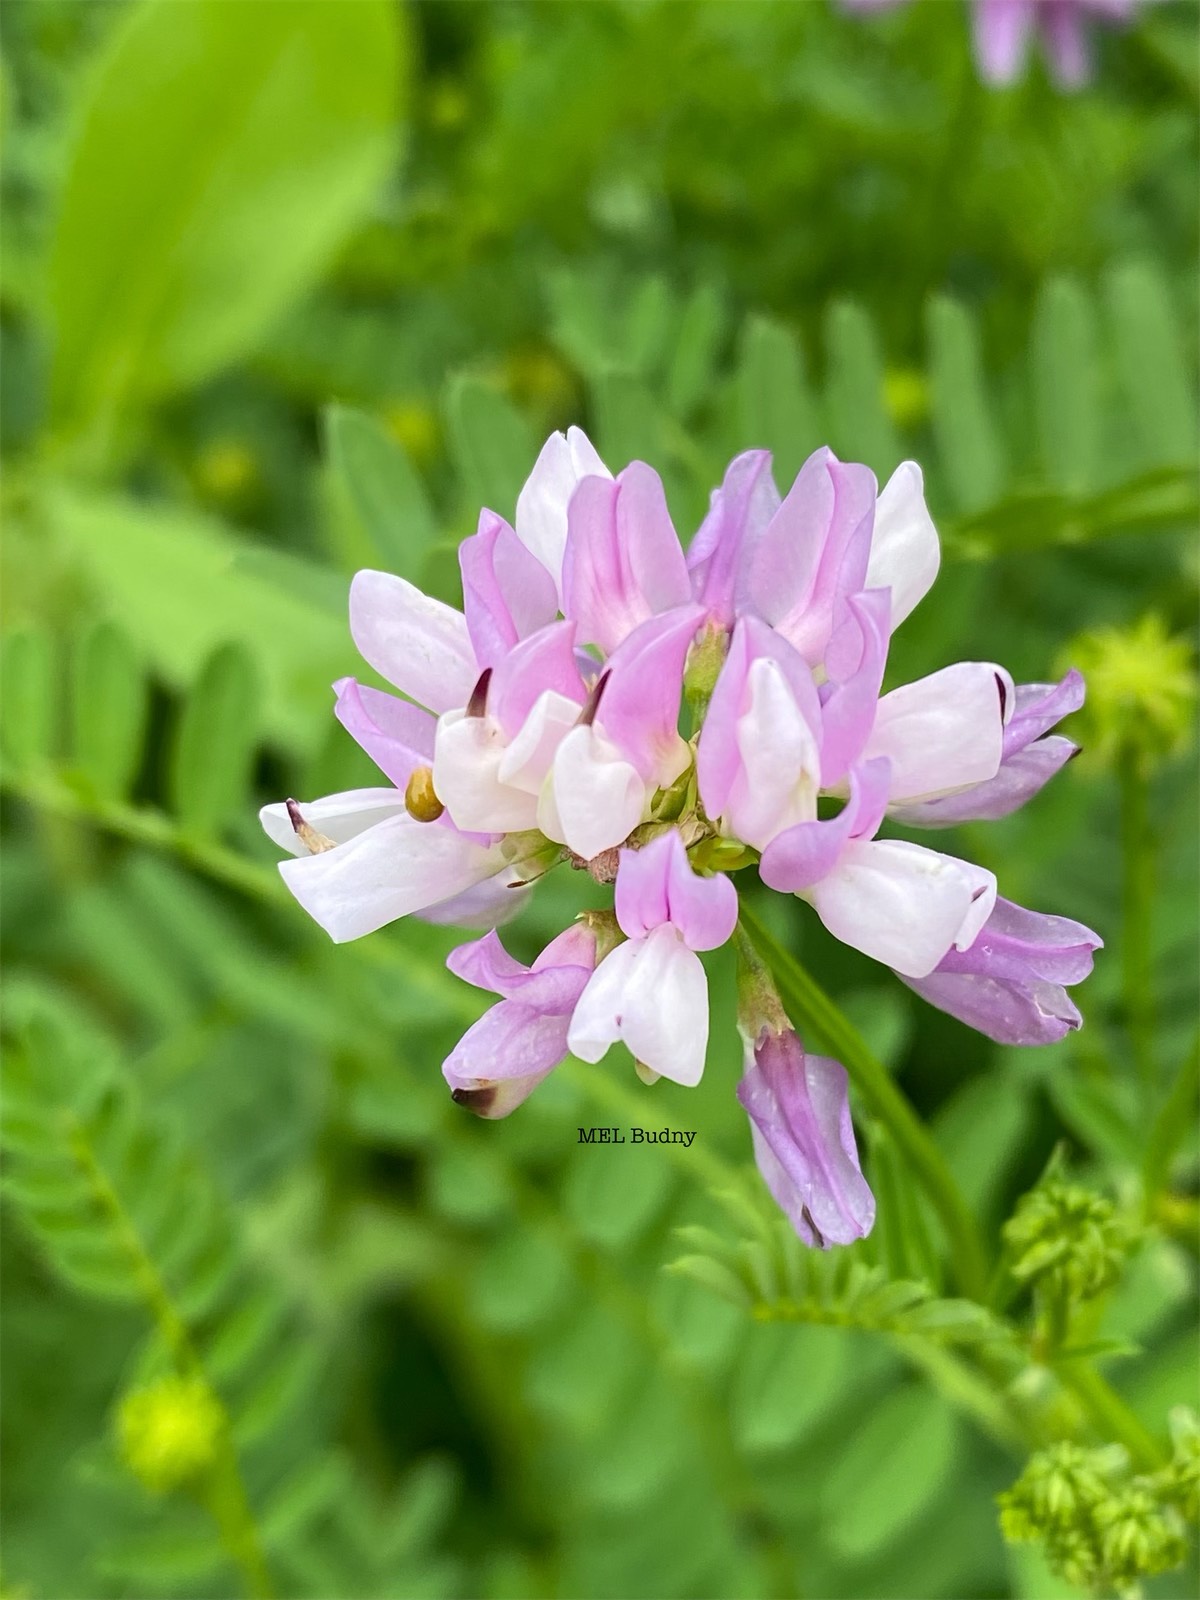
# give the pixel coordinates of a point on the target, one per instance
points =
(781, 761)
(593, 798)
(898, 902)
(944, 731)
(418, 644)
(652, 994)
(467, 755)
(488, 905)
(541, 520)
(528, 758)
(905, 554)
(397, 867)
(338, 816)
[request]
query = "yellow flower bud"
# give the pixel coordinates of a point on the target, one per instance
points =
(169, 1431)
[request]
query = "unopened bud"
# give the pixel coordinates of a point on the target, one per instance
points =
(704, 663)
(169, 1431)
(420, 797)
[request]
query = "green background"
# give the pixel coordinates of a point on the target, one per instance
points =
(294, 288)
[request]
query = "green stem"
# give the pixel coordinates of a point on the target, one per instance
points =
(1176, 1116)
(1109, 1414)
(810, 1005)
(1137, 892)
(227, 1498)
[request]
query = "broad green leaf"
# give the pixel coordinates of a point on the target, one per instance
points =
(1150, 361)
(776, 411)
(578, 1372)
(492, 445)
(215, 742)
(859, 426)
(613, 1194)
(29, 724)
(981, 1131)
(968, 442)
(521, 1279)
(898, 1460)
(175, 581)
(1066, 395)
(109, 707)
(384, 489)
(783, 1383)
(220, 155)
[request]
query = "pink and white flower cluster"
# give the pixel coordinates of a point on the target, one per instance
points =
(1003, 31)
(609, 701)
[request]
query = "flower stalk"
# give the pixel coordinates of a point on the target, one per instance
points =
(810, 1006)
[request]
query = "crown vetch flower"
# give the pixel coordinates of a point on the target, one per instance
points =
(540, 725)
(650, 992)
(1011, 983)
(500, 1061)
(1003, 31)
(799, 1110)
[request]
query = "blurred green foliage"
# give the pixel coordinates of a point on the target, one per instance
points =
(289, 289)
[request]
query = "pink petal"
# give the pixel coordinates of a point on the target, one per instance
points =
(507, 593)
(639, 709)
(804, 854)
(418, 644)
(849, 707)
(397, 735)
(719, 760)
(720, 553)
(814, 552)
(545, 661)
(656, 884)
(1002, 37)
(623, 562)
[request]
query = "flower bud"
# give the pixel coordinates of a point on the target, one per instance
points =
(169, 1431)
(1141, 690)
(1066, 1238)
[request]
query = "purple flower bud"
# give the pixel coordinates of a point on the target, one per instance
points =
(500, 1061)
(1011, 983)
(804, 1141)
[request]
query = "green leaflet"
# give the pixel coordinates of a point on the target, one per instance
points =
(215, 742)
(968, 441)
(859, 426)
(30, 722)
(775, 407)
(174, 579)
(109, 708)
(1066, 390)
(233, 147)
(492, 446)
(384, 489)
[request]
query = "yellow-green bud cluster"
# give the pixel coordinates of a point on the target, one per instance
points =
(1099, 1528)
(169, 1431)
(1066, 1239)
(1141, 690)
